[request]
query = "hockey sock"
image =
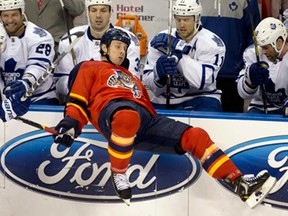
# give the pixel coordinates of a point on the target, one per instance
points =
(124, 126)
(216, 163)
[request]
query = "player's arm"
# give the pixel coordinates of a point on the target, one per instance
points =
(151, 78)
(40, 53)
(201, 70)
(245, 88)
(11, 107)
(76, 110)
(63, 69)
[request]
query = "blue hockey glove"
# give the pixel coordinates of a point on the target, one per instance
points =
(258, 73)
(165, 65)
(160, 42)
(17, 89)
(10, 108)
(68, 130)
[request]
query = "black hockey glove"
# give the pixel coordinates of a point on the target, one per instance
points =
(165, 65)
(258, 74)
(68, 130)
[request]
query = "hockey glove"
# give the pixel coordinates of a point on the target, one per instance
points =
(10, 108)
(17, 89)
(258, 74)
(165, 65)
(160, 42)
(68, 130)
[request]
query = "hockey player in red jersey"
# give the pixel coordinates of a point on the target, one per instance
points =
(118, 106)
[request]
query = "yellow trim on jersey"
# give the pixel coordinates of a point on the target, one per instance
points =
(217, 165)
(120, 156)
(78, 107)
(81, 98)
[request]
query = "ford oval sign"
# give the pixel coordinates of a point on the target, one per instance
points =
(82, 172)
(271, 154)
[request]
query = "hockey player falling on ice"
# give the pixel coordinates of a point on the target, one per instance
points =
(118, 106)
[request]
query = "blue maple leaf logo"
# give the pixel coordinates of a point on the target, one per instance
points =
(218, 41)
(39, 32)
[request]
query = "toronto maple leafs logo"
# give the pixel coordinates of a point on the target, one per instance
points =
(40, 32)
(218, 41)
(11, 71)
(120, 79)
(233, 6)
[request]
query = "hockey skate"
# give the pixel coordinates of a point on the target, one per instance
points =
(121, 186)
(253, 190)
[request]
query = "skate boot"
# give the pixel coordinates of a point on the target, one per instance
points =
(121, 186)
(253, 190)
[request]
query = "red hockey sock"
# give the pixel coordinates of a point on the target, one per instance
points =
(213, 160)
(124, 127)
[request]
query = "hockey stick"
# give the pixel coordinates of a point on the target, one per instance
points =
(170, 17)
(262, 89)
(37, 125)
(65, 13)
(52, 67)
(281, 6)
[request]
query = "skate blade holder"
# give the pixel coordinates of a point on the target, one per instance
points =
(258, 196)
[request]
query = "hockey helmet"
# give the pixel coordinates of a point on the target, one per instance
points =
(115, 34)
(88, 3)
(187, 8)
(269, 30)
(12, 4)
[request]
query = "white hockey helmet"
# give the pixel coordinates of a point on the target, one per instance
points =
(187, 8)
(269, 30)
(88, 3)
(12, 4)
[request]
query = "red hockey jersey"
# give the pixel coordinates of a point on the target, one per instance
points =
(96, 84)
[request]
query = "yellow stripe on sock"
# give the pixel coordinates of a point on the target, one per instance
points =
(121, 140)
(217, 165)
(118, 155)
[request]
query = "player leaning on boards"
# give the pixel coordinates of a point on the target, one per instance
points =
(118, 106)
(99, 14)
(199, 56)
(270, 72)
(27, 52)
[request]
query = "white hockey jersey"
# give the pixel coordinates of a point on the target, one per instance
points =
(276, 88)
(197, 70)
(88, 48)
(31, 53)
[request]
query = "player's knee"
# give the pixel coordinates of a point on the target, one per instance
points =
(125, 123)
(196, 140)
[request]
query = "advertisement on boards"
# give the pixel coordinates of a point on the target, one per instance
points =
(41, 177)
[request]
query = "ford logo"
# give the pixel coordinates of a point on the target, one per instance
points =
(82, 172)
(271, 154)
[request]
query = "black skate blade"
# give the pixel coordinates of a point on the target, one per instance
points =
(258, 196)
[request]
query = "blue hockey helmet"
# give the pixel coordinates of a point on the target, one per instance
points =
(115, 34)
